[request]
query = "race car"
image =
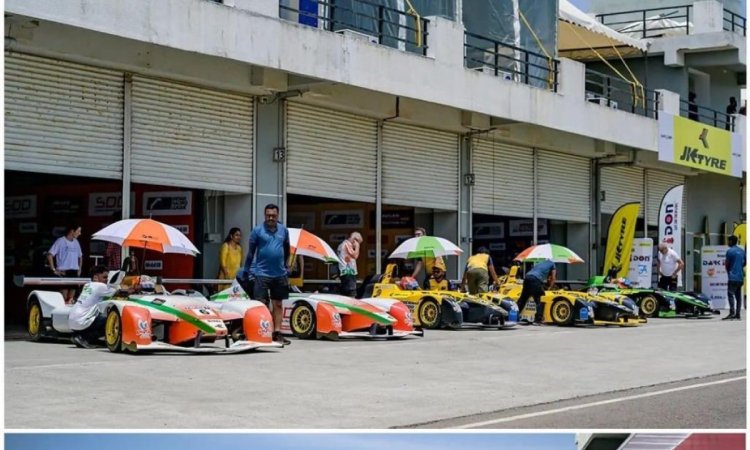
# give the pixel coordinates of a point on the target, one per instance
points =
(655, 302)
(181, 321)
(330, 316)
(442, 309)
(564, 308)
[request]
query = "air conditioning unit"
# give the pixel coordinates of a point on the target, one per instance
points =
(593, 98)
(359, 35)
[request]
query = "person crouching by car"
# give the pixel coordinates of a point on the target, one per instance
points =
(437, 281)
(533, 286)
(84, 319)
(478, 270)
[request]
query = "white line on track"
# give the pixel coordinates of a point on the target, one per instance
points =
(599, 403)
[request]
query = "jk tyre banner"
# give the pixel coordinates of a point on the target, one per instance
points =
(740, 231)
(670, 226)
(641, 262)
(620, 239)
(693, 144)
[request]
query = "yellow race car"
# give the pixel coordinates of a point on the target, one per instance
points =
(441, 309)
(561, 307)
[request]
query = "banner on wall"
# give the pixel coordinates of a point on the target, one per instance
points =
(696, 145)
(714, 275)
(670, 226)
(740, 230)
(641, 262)
(620, 240)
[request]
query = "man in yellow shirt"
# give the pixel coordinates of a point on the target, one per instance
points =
(438, 282)
(478, 270)
(427, 262)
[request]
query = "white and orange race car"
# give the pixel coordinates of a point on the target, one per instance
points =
(183, 321)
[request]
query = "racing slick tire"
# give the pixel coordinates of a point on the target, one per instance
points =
(113, 331)
(429, 313)
(649, 306)
(302, 321)
(34, 321)
(562, 312)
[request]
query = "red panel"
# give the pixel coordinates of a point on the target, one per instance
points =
(705, 441)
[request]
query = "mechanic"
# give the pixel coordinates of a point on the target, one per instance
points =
(479, 267)
(427, 262)
(348, 252)
(266, 263)
(735, 265)
(84, 319)
(669, 264)
(437, 281)
(65, 259)
(543, 271)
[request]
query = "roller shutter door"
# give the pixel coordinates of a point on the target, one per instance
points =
(62, 118)
(191, 137)
(330, 154)
(420, 167)
(621, 184)
(504, 179)
(564, 187)
(658, 183)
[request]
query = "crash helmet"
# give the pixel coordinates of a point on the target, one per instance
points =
(147, 284)
(408, 284)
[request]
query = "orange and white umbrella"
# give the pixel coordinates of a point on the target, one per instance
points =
(149, 234)
(307, 244)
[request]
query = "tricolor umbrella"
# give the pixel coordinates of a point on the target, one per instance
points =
(147, 234)
(556, 253)
(307, 244)
(425, 247)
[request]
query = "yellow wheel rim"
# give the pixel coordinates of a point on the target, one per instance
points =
(429, 313)
(561, 312)
(648, 305)
(302, 320)
(112, 328)
(35, 318)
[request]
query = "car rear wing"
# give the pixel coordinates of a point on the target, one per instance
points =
(21, 281)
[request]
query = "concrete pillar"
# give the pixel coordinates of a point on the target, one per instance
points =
(707, 17)
(445, 224)
(445, 41)
(268, 186)
(669, 102)
(465, 231)
(572, 79)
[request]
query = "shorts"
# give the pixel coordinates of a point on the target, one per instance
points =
(267, 288)
(69, 274)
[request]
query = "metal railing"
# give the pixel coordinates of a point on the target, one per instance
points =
(734, 22)
(510, 62)
(373, 21)
(706, 115)
(652, 22)
(616, 93)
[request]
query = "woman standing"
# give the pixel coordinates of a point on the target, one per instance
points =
(230, 256)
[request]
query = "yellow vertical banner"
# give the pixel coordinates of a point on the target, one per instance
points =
(620, 240)
(741, 232)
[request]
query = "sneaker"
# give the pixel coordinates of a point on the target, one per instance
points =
(278, 337)
(80, 342)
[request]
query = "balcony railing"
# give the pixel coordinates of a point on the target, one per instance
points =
(706, 115)
(648, 23)
(510, 62)
(734, 22)
(616, 93)
(404, 30)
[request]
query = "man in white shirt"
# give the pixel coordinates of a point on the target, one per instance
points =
(84, 319)
(669, 264)
(65, 259)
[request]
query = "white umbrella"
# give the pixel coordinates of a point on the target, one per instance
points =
(147, 234)
(425, 247)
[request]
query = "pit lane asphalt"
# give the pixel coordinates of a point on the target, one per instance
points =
(365, 384)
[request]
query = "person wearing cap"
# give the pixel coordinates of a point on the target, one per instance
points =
(477, 273)
(437, 281)
(533, 286)
(84, 318)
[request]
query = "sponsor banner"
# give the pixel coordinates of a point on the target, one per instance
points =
(104, 204)
(693, 144)
(495, 230)
(525, 227)
(184, 229)
(714, 275)
(153, 265)
(620, 240)
(740, 231)
(27, 227)
(63, 206)
(641, 258)
(177, 203)
(353, 219)
(670, 227)
(20, 207)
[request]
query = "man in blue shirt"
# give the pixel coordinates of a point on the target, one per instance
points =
(735, 265)
(266, 260)
(533, 286)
